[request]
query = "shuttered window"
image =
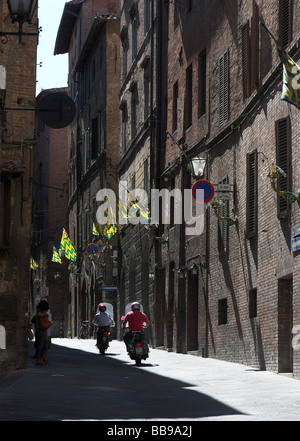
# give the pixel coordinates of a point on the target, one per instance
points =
(246, 61)
(253, 303)
(124, 127)
(223, 228)
(124, 40)
(283, 159)
(224, 88)
(189, 97)
(250, 53)
(87, 153)
(95, 139)
(202, 85)
(251, 228)
(285, 22)
(222, 312)
(79, 158)
(134, 37)
(255, 47)
(175, 107)
(134, 100)
(146, 174)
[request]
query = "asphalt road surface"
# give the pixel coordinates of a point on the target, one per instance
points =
(79, 384)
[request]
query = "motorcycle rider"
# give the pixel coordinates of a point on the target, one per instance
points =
(136, 320)
(102, 319)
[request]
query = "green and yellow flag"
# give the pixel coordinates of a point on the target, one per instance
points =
(141, 211)
(68, 247)
(95, 231)
(291, 75)
(110, 229)
(33, 264)
(55, 256)
(123, 210)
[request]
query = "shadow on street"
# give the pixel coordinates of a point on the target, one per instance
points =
(78, 385)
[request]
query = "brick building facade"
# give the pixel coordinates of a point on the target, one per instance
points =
(197, 79)
(50, 279)
(17, 146)
(142, 134)
(225, 81)
(89, 32)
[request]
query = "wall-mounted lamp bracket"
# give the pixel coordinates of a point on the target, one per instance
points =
(215, 205)
(274, 172)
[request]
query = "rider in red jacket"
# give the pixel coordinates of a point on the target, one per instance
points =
(136, 320)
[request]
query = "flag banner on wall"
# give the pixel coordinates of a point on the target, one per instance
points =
(132, 210)
(123, 209)
(55, 256)
(68, 247)
(140, 210)
(291, 75)
(95, 231)
(33, 264)
(110, 229)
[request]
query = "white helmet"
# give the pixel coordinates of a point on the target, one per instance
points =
(135, 305)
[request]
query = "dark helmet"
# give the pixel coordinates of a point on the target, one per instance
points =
(102, 307)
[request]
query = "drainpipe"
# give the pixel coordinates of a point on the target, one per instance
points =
(206, 266)
(152, 153)
(181, 329)
(152, 134)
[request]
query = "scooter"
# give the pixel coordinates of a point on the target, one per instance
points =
(138, 348)
(103, 334)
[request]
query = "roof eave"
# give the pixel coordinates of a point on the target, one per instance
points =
(66, 26)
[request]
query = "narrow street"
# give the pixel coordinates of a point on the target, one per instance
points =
(79, 384)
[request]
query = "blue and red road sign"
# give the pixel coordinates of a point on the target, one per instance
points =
(92, 249)
(206, 192)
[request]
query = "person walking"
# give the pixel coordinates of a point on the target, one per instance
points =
(40, 333)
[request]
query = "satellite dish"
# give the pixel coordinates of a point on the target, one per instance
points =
(57, 110)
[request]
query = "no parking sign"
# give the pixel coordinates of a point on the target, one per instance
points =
(207, 191)
(92, 249)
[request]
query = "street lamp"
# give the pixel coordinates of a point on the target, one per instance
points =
(194, 269)
(197, 166)
(182, 272)
(20, 11)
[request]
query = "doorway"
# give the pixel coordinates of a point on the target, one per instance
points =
(192, 312)
(170, 306)
(285, 325)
